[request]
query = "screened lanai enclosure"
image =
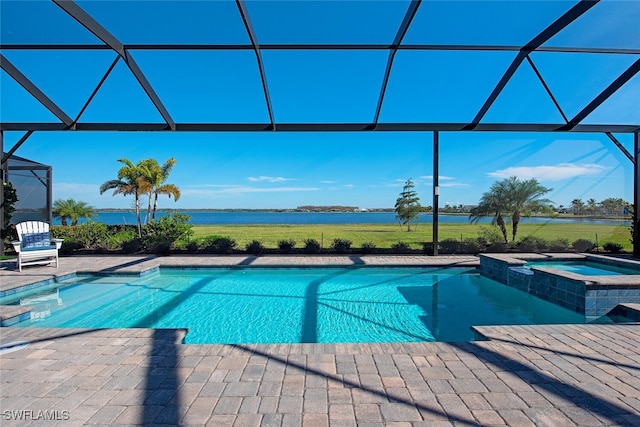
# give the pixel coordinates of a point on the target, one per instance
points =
(32, 183)
(446, 71)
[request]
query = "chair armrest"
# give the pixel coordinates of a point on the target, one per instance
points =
(16, 245)
(58, 242)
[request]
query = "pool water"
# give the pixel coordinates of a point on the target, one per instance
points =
(288, 305)
(585, 268)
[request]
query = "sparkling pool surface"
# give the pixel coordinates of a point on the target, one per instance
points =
(585, 268)
(293, 305)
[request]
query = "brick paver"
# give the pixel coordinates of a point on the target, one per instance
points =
(585, 375)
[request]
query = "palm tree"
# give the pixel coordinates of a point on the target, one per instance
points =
(62, 209)
(129, 182)
(608, 206)
(577, 205)
(492, 203)
(525, 197)
(70, 209)
(155, 177)
(613, 206)
(514, 197)
(592, 206)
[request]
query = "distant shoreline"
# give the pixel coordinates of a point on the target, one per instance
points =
(246, 210)
(368, 210)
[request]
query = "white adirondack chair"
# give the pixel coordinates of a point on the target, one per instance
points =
(34, 244)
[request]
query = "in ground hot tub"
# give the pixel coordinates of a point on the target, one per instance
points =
(592, 285)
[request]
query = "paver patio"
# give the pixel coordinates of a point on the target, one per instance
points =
(553, 375)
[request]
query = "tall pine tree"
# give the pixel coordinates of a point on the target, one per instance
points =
(407, 205)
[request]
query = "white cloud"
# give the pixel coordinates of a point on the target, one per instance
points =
(549, 173)
(328, 182)
(454, 184)
(75, 188)
(268, 179)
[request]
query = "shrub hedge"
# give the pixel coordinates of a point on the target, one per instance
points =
(173, 234)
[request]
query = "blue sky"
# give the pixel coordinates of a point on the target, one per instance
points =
(285, 170)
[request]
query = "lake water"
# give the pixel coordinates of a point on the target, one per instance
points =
(256, 217)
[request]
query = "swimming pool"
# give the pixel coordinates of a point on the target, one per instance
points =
(586, 268)
(293, 305)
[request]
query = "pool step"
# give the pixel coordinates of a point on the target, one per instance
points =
(12, 314)
(629, 311)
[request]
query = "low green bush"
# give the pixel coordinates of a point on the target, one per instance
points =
(470, 246)
(311, 246)
(219, 245)
(286, 246)
(450, 246)
(490, 235)
(559, 245)
(427, 248)
(159, 236)
(400, 248)
(91, 236)
(192, 246)
(614, 248)
(207, 243)
(131, 246)
(341, 246)
(117, 240)
(455, 246)
(497, 248)
(368, 248)
(255, 247)
(531, 244)
(583, 245)
(69, 247)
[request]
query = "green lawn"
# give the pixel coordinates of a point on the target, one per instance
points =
(385, 235)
